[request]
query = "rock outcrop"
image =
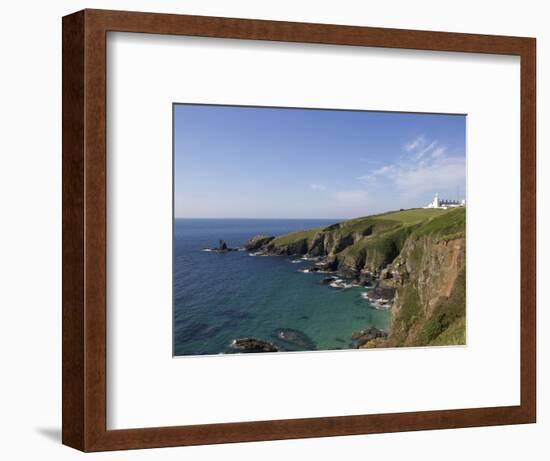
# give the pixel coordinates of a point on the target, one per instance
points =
(221, 248)
(257, 242)
(363, 337)
(254, 345)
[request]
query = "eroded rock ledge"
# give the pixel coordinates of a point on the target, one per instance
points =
(254, 345)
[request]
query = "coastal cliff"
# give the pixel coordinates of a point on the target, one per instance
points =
(429, 276)
(416, 255)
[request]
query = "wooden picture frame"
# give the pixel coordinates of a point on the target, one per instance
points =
(85, 222)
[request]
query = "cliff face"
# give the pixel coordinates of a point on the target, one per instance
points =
(421, 254)
(362, 244)
(430, 281)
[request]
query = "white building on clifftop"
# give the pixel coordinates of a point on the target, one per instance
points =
(444, 204)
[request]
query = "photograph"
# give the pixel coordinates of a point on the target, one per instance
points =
(317, 229)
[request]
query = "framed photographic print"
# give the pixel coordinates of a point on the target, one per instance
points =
(278, 230)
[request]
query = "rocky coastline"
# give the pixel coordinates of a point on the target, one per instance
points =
(409, 262)
(413, 268)
(338, 276)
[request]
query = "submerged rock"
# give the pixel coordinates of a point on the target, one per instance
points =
(196, 331)
(254, 345)
(327, 280)
(295, 338)
(236, 314)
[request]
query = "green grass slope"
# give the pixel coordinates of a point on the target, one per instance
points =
(368, 242)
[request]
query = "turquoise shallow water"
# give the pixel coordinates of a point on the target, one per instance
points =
(219, 297)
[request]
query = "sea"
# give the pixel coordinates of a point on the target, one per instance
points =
(220, 297)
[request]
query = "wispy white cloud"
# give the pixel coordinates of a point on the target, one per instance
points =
(420, 146)
(439, 152)
(416, 143)
(382, 171)
(420, 153)
(386, 169)
(443, 174)
(317, 187)
(427, 166)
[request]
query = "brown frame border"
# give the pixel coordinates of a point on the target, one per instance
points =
(84, 229)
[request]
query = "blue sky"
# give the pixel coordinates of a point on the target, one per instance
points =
(245, 162)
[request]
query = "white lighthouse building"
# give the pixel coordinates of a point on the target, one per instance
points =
(444, 203)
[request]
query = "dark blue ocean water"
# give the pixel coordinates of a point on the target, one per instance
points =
(219, 297)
